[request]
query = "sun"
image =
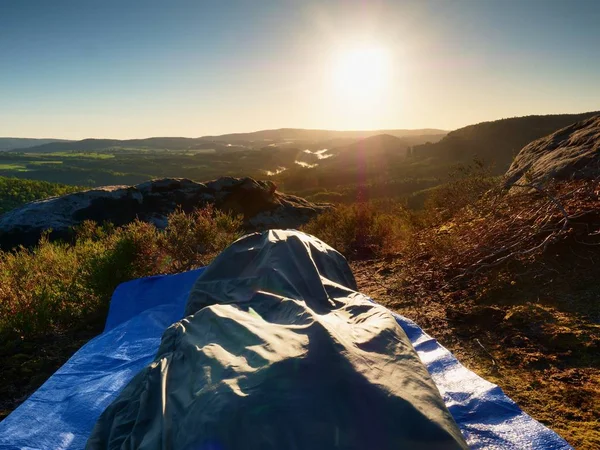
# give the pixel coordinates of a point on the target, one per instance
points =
(361, 74)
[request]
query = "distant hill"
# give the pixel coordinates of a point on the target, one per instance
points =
(496, 142)
(9, 143)
(154, 143)
(228, 142)
(291, 134)
(375, 145)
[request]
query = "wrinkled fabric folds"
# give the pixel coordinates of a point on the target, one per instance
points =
(279, 351)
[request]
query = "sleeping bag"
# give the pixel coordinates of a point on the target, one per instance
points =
(278, 351)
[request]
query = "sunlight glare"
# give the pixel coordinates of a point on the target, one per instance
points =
(362, 74)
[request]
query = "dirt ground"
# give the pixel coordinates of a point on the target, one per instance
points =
(545, 356)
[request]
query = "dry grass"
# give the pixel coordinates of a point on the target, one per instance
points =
(483, 277)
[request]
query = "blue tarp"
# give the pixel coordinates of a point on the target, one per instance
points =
(62, 413)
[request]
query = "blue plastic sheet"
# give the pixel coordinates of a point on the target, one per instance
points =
(62, 413)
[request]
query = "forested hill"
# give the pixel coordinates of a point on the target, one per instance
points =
(257, 139)
(93, 145)
(15, 191)
(496, 142)
(303, 134)
(10, 143)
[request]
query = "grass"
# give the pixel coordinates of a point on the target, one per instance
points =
(41, 163)
(470, 269)
(88, 155)
(14, 167)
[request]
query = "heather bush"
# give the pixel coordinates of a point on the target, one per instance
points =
(192, 240)
(59, 286)
(363, 229)
(44, 289)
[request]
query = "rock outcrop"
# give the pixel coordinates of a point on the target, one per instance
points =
(570, 153)
(258, 201)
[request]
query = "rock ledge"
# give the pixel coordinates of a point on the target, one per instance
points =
(258, 201)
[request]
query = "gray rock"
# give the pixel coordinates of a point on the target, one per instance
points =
(257, 201)
(570, 153)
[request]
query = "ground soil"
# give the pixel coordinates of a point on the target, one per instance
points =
(536, 344)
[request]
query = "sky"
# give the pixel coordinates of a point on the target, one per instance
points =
(129, 69)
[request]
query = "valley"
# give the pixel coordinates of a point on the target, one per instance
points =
(321, 165)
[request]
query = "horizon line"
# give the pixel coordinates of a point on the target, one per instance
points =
(304, 129)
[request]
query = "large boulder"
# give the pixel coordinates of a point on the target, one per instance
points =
(570, 153)
(257, 201)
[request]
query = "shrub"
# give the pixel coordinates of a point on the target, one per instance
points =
(362, 229)
(129, 252)
(195, 239)
(58, 286)
(43, 289)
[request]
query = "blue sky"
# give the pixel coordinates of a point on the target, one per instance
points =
(122, 69)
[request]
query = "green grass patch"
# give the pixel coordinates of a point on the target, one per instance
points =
(43, 163)
(15, 167)
(88, 155)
